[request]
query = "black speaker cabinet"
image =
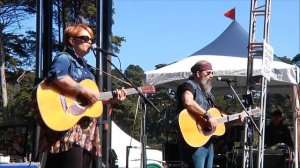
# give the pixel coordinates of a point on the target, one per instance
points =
(170, 151)
(272, 159)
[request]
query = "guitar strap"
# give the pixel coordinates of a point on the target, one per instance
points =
(108, 74)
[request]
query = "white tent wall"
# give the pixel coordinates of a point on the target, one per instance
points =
(296, 122)
(120, 141)
(228, 54)
(224, 66)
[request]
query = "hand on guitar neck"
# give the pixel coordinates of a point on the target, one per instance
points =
(93, 96)
(118, 95)
(210, 122)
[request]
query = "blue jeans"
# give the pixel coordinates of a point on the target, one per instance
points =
(203, 156)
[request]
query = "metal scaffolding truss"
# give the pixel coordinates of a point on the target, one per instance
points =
(260, 12)
(255, 49)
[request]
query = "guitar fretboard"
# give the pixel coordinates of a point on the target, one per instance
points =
(229, 118)
(108, 95)
(237, 116)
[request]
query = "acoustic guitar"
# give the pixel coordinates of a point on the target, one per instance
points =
(61, 110)
(197, 132)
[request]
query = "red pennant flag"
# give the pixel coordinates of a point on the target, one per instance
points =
(230, 14)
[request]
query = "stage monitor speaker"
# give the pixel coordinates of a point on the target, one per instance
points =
(272, 159)
(171, 152)
(175, 164)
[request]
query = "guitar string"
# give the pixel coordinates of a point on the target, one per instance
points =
(111, 75)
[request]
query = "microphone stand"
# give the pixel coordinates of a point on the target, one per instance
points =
(250, 123)
(147, 101)
(249, 116)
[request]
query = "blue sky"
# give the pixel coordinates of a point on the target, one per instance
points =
(164, 31)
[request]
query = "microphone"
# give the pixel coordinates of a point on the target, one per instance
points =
(96, 48)
(226, 97)
(225, 80)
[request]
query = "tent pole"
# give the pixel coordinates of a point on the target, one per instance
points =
(295, 122)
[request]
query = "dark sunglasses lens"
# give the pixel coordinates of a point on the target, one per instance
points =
(85, 39)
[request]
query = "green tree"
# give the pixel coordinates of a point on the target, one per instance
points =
(20, 87)
(20, 51)
(285, 59)
(69, 11)
(160, 124)
(128, 116)
(125, 113)
(296, 60)
(12, 13)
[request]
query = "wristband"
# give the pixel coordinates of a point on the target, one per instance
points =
(77, 88)
(207, 115)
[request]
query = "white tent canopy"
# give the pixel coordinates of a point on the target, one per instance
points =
(228, 54)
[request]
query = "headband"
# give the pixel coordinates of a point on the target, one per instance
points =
(200, 66)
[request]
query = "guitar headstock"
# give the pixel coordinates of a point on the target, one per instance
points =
(256, 112)
(147, 89)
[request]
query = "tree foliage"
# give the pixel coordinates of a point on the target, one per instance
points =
(296, 60)
(67, 12)
(15, 50)
(21, 85)
(15, 11)
(20, 51)
(129, 114)
(125, 113)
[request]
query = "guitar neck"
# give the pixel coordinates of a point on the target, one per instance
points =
(230, 117)
(108, 95)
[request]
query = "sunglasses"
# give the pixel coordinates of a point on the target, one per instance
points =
(85, 39)
(208, 72)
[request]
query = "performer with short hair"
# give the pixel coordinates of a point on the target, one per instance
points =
(75, 147)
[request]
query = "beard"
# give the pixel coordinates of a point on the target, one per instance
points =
(206, 85)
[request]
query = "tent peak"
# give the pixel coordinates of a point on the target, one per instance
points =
(233, 41)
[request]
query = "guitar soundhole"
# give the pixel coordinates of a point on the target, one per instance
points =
(203, 125)
(207, 129)
(79, 106)
(82, 101)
